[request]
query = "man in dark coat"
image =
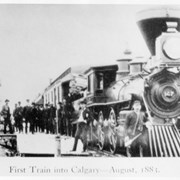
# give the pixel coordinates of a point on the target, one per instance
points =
(69, 112)
(46, 118)
(33, 120)
(40, 118)
(15, 117)
(83, 123)
(60, 118)
(19, 117)
(135, 126)
(6, 115)
(52, 116)
(27, 114)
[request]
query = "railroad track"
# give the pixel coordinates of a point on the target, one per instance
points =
(92, 151)
(96, 152)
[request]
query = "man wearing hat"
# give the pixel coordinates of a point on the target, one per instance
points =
(136, 131)
(33, 120)
(6, 115)
(60, 118)
(83, 123)
(27, 114)
(18, 116)
(45, 116)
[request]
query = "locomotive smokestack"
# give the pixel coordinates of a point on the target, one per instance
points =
(153, 23)
(123, 64)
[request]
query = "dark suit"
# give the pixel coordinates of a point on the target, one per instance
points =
(18, 116)
(68, 110)
(134, 125)
(82, 130)
(60, 119)
(7, 121)
(27, 116)
(52, 116)
(45, 116)
(33, 119)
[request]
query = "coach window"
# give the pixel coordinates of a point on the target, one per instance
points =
(100, 81)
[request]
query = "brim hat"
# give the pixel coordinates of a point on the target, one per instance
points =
(137, 102)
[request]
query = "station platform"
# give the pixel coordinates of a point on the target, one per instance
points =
(67, 146)
(37, 145)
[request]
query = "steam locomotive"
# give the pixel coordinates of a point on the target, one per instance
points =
(112, 89)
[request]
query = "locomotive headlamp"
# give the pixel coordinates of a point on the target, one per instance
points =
(171, 48)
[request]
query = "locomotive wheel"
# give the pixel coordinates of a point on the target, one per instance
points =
(101, 138)
(112, 117)
(113, 143)
(113, 136)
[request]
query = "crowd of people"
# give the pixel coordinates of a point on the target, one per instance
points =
(51, 120)
(33, 118)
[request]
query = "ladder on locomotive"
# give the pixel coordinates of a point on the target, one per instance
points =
(164, 141)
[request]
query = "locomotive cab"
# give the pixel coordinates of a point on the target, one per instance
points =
(99, 79)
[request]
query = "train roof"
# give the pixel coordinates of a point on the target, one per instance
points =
(72, 70)
(103, 68)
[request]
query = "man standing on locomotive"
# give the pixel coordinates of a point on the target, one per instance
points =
(83, 126)
(6, 115)
(136, 134)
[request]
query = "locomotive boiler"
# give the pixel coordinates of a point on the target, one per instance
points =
(156, 82)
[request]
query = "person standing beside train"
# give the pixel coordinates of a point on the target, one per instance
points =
(19, 117)
(52, 116)
(27, 115)
(64, 117)
(69, 109)
(33, 120)
(40, 117)
(83, 126)
(60, 118)
(15, 117)
(136, 131)
(5, 112)
(46, 118)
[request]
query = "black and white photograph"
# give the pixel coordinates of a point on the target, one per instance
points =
(92, 82)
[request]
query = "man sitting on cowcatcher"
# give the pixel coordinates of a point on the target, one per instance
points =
(136, 132)
(83, 126)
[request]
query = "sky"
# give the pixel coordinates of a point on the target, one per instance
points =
(39, 42)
